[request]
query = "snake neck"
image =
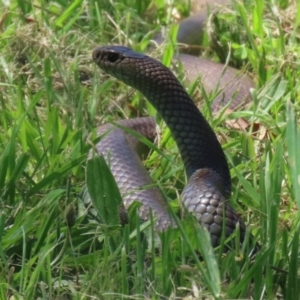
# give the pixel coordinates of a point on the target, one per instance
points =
(197, 143)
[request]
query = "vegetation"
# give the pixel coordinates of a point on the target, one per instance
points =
(53, 96)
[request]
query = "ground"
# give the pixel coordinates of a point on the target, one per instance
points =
(53, 97)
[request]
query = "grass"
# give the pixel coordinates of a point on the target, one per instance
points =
(52, 97)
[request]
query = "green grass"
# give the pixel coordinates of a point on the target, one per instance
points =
(52, 97)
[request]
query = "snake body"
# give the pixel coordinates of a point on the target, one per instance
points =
(231, 87)
(209, 182)
(120, 151)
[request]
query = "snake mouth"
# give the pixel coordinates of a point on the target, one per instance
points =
(97, 56)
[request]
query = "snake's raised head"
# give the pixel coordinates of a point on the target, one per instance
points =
(119, 61)
(135, 69)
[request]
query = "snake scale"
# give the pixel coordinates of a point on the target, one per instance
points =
(209, 184)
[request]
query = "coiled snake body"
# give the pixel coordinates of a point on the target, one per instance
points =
(209, 184)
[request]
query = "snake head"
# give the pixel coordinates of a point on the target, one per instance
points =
(119, 61)
(135, 69)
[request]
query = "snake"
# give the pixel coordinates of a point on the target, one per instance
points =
(208, 189)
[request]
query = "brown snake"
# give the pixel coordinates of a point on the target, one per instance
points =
(209, 184)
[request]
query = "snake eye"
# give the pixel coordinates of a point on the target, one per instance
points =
(113, 57)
